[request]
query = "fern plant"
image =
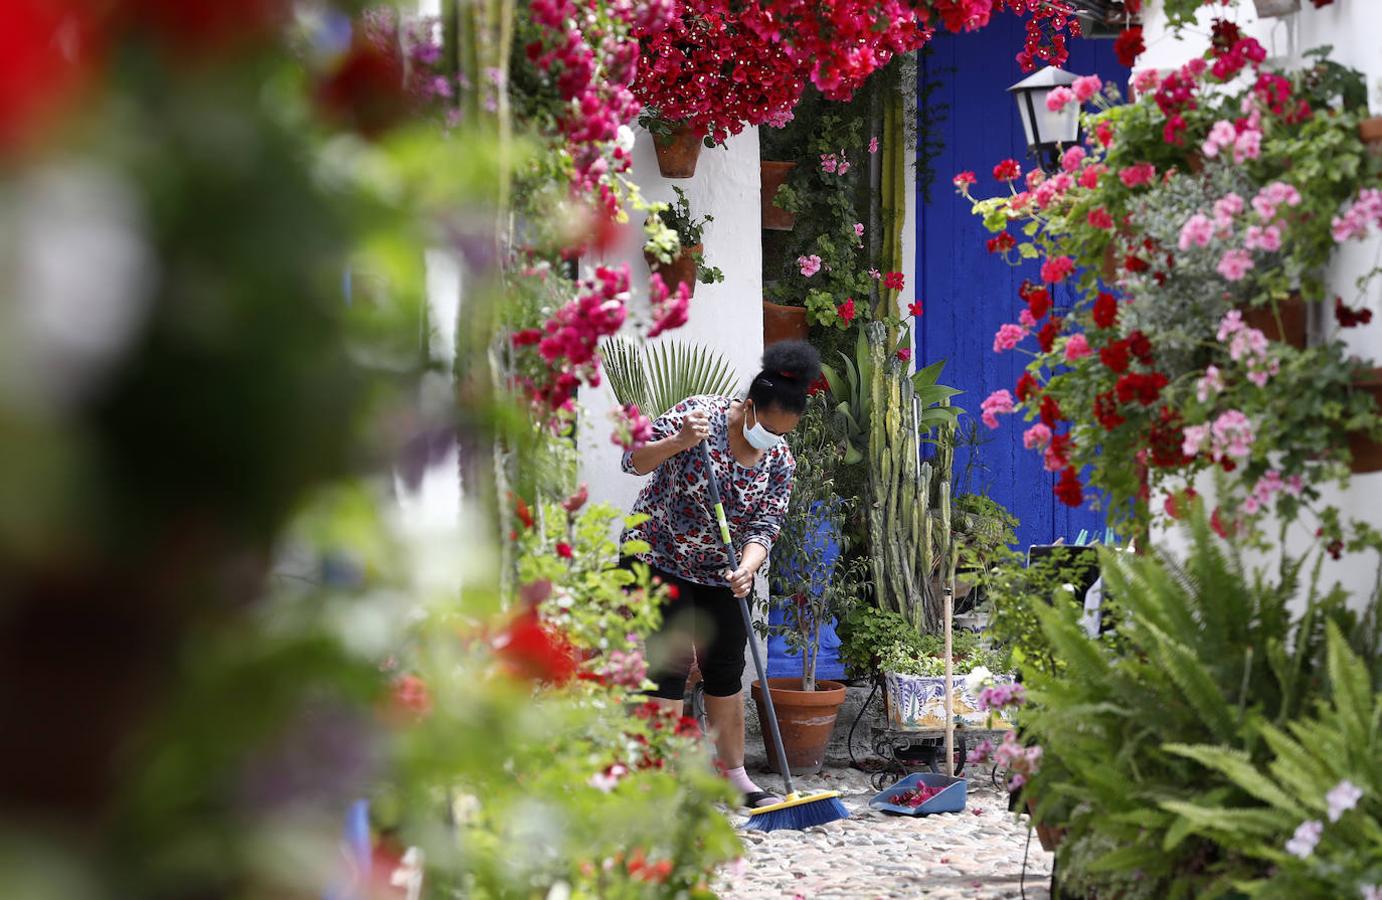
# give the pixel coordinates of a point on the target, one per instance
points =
(656, 377)
(1323, 782)
(1206, 654)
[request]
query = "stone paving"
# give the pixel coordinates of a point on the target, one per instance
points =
(974, 853)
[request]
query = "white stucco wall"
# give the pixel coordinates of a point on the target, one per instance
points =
(1354, 29)
(726, 316)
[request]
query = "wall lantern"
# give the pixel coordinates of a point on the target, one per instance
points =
(1048, 133)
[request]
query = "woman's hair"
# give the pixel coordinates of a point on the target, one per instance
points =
(789, 370)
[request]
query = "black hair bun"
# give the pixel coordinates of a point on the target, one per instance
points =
(795, 361)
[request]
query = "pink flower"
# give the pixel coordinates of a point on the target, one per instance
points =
(1076, 347)
(1232, 434)
(1026, 319)
(1071, 159)
(1234, 264)
(1059, 98)
(996, 404)
(632, 429)
(905, 354)
(858, 229)
(1225, 208)
(1222, 135)
(810, 265)
(1194, 437)
(1036, 437)
(1100, 218)
(1210, 384)
(1145, 81)
(1197, 231)
(829, 163)
(1259, 238)
(1359, 216)
(1140, 174)
(1008, 337)
(670, 309)
(964, 180)
(1089, 178)
(1232, 323)
(1247, 146)
(1057, 269)
(873, 144)
(1087, 87)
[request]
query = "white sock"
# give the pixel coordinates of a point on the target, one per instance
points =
(740, 779)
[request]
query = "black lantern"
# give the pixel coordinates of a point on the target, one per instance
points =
(1048, 132)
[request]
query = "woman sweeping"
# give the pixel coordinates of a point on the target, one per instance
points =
(754, 469)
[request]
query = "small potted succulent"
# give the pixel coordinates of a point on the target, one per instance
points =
(677, 250)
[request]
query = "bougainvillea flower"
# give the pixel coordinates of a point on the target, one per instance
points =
(529, 650)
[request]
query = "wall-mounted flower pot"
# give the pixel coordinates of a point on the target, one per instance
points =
(1367, 453)
(783, 323)
(681, 270)
(677, 152)
(1292, 328)
(771, 177)
(806, 719)
(1370, 130)
(1268, 9)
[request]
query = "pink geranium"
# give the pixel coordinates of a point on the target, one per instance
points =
(1076, 348)
(1057, 269)
(1087, 87)
(1071, 159)
(996, 404)
(1135, 176)
(810, 265)
(1059, 98)
(1197, 231)
(1210, 384)
(1036, 437)
(1364, 213)
(1235, 264)
(1089, 178)
(1008, 337)
(1267, 239)
(1145, 81)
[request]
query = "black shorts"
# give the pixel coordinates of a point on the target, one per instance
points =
(701, 624)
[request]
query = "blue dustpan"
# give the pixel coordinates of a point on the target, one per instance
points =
(950, 799)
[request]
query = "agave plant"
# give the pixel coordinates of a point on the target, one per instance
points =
(656, 377)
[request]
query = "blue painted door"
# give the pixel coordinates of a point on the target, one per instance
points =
(968, 293)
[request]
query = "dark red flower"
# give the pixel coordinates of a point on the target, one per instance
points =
(817, 386)
(1105, 311)
(1217, 523)
(1027, 387)
(1068, 489)
(1106, 411)
(365, 92)
(1350, 318)
(1140, 346)
(45, 59)
(528, 337)
(914, 308)
(1115, 356)
(564, 550)
(1145, 388)
(1166, 441)
(1038, 299)
(1002, 243)
(192, 29)
(1058, 452)
(529, 650)
(1134, 263)
(1177, 505)
(1050, 412)
(1129, 46)
(1046, 337)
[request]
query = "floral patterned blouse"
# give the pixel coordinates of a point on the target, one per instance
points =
(681, 526)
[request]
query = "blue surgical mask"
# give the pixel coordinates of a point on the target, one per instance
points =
(759, 437)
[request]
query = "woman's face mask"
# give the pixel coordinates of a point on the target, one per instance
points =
(759, 437)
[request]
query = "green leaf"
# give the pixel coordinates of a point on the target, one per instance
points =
(1239, 768)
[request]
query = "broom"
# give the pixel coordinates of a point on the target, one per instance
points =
(797, 810)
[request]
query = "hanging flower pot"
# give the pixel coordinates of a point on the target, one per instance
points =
(678, 151)
(1367, 453)
(1268, 9)
(771, 176)
(1370, 130)
(681, 270)
(783, 323)
(806, 719)
(1291, 329)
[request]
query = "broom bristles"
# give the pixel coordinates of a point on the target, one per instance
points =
(803, 814)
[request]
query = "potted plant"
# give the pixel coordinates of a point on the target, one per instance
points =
(677, 145)
(914, 679)
(810, 586)
(771, 176)
(682, 261)
(1161, 374)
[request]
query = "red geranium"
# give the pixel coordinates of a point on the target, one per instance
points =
(1027, 387)
(914, 308)
(846, 310)
(45, 59)
(1007, 170)
(1046, 337)
(1145, 388)
(1050, 411)
(1350, 318)
(1116, 356)
(529, 650)
(1068, 489)
(1129, 46)
(894, 281)
(1106, 411)
(1002, 243)
(365, 92)
(1105, 311)
(1057, 269)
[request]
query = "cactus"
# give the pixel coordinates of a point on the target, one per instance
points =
(911, 548)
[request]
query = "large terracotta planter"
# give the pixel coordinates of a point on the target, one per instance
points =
(806, 720)
(1049, 835)
(681, 270)
(677, 152)
(1292, 329)
(1370, 130)
(771, 176)
(1367, 453)
(783, 323)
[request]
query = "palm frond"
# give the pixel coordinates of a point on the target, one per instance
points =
(656, 377)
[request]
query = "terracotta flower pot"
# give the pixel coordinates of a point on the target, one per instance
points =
(771, 176)
(1370, 130)
(806, 720)
(1292, 330)
(677, 152)
(681, 270)
(1049, 835)
(783, 323)
(1367, 453)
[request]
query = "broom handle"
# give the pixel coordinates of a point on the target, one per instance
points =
(748, 620)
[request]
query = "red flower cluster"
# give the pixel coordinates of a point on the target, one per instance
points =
(1144, 387)
(1068, 489)
(1057, 269)
(1027, 388)
(1105, 311)
(1176, 96)
(1129, 46)
(1050, 412)
(670, 309)
(528, 649)
(894, 281)
(1166, 441)
(46, 57)
(1106, 411)
(1232, 52)
(1037, 298)
(1001, 243)
(569, 341)
(1046, 337)
(1350, 318)
(1117, 355)
(1008, 170)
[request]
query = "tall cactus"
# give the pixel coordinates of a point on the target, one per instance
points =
(909, 500)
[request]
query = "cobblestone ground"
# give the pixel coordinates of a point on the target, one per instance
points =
(974, 853)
